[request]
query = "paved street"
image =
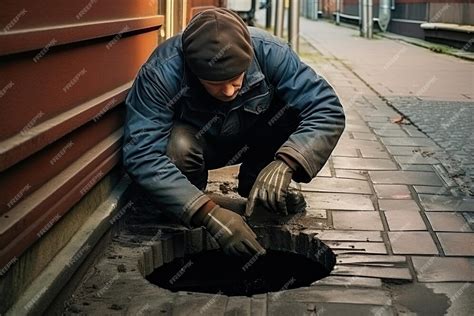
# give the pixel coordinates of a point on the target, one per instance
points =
(404, 242)
(434, 91)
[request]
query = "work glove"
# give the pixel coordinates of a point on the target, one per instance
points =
(271, 188)
(231, 232)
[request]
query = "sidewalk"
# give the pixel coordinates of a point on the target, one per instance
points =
(404, 243)
(434, 91)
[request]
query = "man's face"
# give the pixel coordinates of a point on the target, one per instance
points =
(225, 91)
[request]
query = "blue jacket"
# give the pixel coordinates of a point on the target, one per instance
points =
(164, 91)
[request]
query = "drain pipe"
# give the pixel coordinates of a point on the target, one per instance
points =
(367, 18)
(384, 14)
(338, 12)
(169, 18)
(370, 24)
(268, 20)
(294, 25)
(279, 17)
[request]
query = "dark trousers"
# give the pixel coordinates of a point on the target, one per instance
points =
(194, 154)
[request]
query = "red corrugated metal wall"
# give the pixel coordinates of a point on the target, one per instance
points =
(65, 69)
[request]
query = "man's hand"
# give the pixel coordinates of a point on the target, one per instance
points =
(271, 188)
(231, 232)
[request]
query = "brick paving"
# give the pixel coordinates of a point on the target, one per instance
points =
(450, 125)
(394, 226)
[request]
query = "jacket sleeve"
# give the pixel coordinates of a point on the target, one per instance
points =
(150, 109)
(320, 113)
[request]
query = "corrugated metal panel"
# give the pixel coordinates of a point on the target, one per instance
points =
(65, 69)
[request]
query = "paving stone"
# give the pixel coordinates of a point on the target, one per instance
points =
(448, 222)
(366, 136)
(356, 127)
(167, 249)
(157, 254)
(345, 247)
(337, 185)
(395, 191)
(334, 294)
(446, 203)
(339, 201)
(189, 304)
(416, 159)
(444, 269)
(360, 143)
(404, 221)
(404, 141)
(374, 260)
(422, 168)
(469, 218)
(349, 281)
(356, 220)
(374, 153)
(413, 131)
(238, 305)
(340, 151)
(285, 308)
(310, 212)
(457, 244)
(415, 243)
(140, 305)
(347, 235)
(460, 296)
(325, 170)
(363, 164)
(258, 304)
(383, 125)
(373, 272)
(405, 177)
(423, 189)
(410, 150)
(351, 174)
(194, 240)
(371, 118)
(390, 132)
(398, 205)
(354, 310)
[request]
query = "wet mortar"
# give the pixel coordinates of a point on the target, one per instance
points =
(215, 272)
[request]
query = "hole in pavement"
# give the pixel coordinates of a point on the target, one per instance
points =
(214, 272)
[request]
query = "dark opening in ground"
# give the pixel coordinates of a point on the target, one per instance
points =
(215, 272)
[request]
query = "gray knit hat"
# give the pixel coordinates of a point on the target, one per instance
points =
(217, 45)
